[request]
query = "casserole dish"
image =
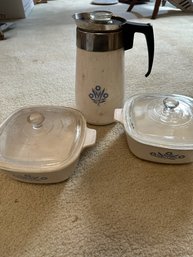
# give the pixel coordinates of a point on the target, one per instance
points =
(42, 144)
(159, 128)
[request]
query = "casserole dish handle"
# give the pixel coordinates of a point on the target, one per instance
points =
(90, 137)
(118, 115)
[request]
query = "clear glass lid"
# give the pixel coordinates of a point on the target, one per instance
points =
(100, 20)
(41, 138)
(161, 120)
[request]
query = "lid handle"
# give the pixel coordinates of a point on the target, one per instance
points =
(36, 119)
(101, 16)
(129, 30)
(170, 103)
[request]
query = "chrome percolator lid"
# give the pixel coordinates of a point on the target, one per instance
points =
(98, 21)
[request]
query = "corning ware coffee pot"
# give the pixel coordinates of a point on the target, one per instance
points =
(101, 41)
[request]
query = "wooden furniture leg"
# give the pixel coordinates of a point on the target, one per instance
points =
(156, 9)
(132, 5)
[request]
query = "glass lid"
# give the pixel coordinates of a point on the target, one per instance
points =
(98, 21)
(41, 138)
(161, 120)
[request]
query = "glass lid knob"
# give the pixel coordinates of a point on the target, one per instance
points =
(170, 103)
(36, 119)
(101, 16)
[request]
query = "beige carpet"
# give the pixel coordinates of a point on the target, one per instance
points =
(114, 205)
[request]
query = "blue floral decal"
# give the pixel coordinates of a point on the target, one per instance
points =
(167, 155)
(98, 95)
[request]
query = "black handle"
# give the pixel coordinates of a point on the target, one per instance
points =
(129, 30)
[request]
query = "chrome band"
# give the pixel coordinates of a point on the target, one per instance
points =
(99, 42)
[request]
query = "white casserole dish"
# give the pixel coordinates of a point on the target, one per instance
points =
(159, 128)
(42, 144)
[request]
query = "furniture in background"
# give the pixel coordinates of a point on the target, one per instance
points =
(155, 10)
(184, 5)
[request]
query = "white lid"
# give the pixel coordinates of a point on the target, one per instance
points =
(41, 138)
(160, 120)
